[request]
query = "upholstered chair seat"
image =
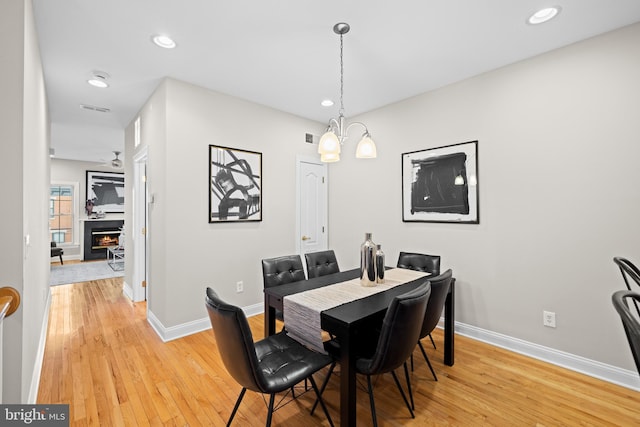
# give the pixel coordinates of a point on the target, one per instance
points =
(399, 332)
(269, 366)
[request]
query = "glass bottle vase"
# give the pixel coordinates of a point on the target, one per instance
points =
(367, 262)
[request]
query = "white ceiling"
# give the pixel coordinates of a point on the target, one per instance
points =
(283, 53)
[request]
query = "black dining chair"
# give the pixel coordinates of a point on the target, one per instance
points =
(630, 321)
(399, 333)
(420, 262)
(321, 263)
(440, 286)
(268, 366)
(629, 271)
(281, 270)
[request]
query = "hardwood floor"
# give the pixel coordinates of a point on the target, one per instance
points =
(105, 360)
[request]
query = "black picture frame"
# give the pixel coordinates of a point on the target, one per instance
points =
(235, 185)
(106, 192)
(441, 184)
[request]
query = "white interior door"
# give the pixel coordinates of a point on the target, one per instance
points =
(312, 184)
(139, 229)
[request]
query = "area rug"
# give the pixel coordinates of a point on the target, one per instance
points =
(81, 272)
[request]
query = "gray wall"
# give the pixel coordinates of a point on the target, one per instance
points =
(558, 175)
(25, 174)
(558, 156)
(186, 252)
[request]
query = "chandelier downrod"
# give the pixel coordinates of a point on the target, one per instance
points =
(336, 134)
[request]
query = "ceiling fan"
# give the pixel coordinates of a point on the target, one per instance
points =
(115, 163)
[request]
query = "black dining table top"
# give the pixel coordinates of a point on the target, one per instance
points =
(352, 312)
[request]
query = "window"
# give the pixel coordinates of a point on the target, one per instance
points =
(61, 213)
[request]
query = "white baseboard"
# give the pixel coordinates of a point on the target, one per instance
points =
(575, 363)
(127, 290)
(37, 369)
(179, 331)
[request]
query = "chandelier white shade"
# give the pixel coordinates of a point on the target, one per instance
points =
(337, 130)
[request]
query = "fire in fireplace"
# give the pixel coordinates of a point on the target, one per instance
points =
(104, 238)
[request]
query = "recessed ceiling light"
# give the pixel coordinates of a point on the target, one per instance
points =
(164, 41)
(544, 15)
(98, 83)
(326, 103)
(99, 79)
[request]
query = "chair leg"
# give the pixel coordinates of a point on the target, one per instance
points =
(406, 376)
(319, 398)
(272, 398)
(404, 397)
(371, 402)
(235, 408)
(324, 385)
(428, 362)
(432, 342)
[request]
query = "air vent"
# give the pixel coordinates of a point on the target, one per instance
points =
(94, 108)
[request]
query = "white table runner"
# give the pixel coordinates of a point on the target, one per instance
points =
(302, 310)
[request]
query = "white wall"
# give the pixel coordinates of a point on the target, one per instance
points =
(25, 172)
(559, 146)
(187, 254)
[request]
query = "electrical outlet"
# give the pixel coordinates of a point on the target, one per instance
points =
(549, 319)
(239, 286)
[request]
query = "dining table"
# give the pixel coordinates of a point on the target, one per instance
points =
(348, 321)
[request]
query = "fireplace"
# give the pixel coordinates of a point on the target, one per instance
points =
(100, 235)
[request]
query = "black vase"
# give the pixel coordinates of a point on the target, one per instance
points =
(379, 265)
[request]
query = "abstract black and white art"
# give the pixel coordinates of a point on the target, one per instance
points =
(441, 184)
(105, 190)
(235, 185)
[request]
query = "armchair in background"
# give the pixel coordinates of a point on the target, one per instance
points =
(56, 251)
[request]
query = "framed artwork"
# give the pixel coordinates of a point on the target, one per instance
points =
(441, 184)
(105, 192)
(235, 185)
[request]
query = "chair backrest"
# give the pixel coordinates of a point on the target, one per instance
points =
(439, 289)
(399, 333)
(630, 321)
(629, 270)
(321, 263)
(234, 341)
(419, 262)
(281, 270)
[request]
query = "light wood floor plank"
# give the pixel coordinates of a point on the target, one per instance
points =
(103, 358)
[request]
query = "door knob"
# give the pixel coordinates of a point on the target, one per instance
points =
(305, 238)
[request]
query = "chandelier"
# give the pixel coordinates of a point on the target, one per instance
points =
(337, 129)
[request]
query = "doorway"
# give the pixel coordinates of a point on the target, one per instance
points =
(139, 229)
(312, 189)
